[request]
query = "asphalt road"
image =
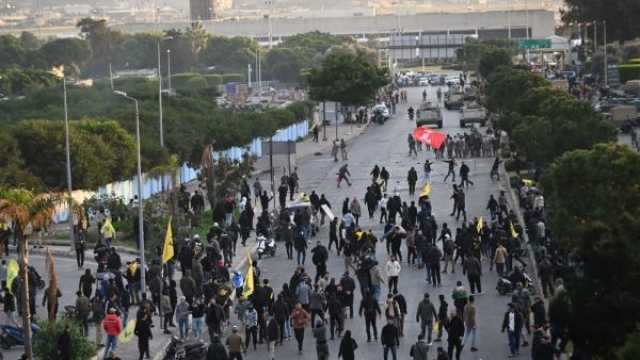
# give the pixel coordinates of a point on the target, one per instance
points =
(386, 146)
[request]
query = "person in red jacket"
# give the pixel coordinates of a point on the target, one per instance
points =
(112, 326)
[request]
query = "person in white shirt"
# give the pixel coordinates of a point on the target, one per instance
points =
(383, 208)
(393, 273)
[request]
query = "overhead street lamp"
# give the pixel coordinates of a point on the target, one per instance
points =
(140, 201)
(160, 90)
(67, 147)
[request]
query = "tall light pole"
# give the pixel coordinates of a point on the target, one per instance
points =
(270, 4)
(140, 201)
(68, 156)
(160, 91)
(606, 61)
(169, 70)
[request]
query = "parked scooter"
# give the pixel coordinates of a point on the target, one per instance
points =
(11, 335)
(266, 246)
(506, 285)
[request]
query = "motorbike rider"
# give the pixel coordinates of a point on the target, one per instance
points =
(411, 112)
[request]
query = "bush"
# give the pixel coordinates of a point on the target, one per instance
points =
(512, 165)
(213, 79)
(45, 341)
(181, 81)
(629, 72)
(232, 77)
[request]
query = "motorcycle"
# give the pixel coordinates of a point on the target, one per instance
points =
(266, 246)
(506, 286)
(181, 350)
(11, 335)
(411, 113)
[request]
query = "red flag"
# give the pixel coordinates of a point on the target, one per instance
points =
(429, 136)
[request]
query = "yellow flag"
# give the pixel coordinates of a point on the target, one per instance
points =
(167, 249)
(426, 190)
(480, 225)
(514, 233)
(127, 333)
(108, 231)
(249, 281)
(12, 272)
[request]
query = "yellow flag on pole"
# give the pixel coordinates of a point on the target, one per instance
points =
(167, 250)
(426, 190)
(480, 225)
(127, 333)
(514, 233)
(12, 272)
(249, 281)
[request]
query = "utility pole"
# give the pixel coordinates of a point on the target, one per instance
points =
(110, 77)
(335, 106)
(169, 70)
(595, 37)
(160, 97)
(324, 122)
(249, 75)
(273, 188)
(68, 155)
(606, 61)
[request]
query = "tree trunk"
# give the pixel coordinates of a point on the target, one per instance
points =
(26, 311)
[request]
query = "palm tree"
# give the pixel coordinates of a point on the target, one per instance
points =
(25, 208)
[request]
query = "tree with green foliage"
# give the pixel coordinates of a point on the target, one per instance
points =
(346, 78)
(473, 49)
(229, 54)
(103, 42)
(620, 15)
(508, 87)
(593, 200)
(72, 53)
(631, 348)
(283, 64)
(492, 59)
(101, 152)
(17, 81)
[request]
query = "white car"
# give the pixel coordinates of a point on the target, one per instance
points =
(423, 81)
(382, 108)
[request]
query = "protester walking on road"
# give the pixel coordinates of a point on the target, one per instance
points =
(464, 175)
(300, 318)
(512, 324)
(390, 339)
(425, 315)
(455, 331)
(419, 350)
(412, 179)
(344, 174)
(112, 327)
(470, 324)
(320, 334)
(348, 347)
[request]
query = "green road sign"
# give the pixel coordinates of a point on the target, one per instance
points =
(535, 44)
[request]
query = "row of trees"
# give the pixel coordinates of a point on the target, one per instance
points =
(191, 49)
(102, 129)
(592, 198)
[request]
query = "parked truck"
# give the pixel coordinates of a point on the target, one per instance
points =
(473, 113)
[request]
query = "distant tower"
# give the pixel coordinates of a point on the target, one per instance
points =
(202, 9)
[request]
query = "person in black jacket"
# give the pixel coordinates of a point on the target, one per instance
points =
(216, 350)
(273, 335)
(143, 332)
(455, 330)
(64, 346)
(402, 305)
(390, 340)
(512, 323)
(371, 310)
(348, 347)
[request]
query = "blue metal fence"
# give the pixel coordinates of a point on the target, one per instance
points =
(153, 185)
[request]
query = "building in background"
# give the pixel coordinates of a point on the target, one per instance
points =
(202, 9)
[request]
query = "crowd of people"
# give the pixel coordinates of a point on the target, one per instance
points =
(199, 291)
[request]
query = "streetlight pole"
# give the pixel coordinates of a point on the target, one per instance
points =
(140, 201)
(169, 70)
(68, 155)
(160, 97)
(606, 61)
(335, 109)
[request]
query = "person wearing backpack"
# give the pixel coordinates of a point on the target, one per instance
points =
(319, 258)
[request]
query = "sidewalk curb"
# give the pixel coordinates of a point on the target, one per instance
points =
(516, 208)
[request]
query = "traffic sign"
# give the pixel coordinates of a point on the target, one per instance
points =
(535, 44)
